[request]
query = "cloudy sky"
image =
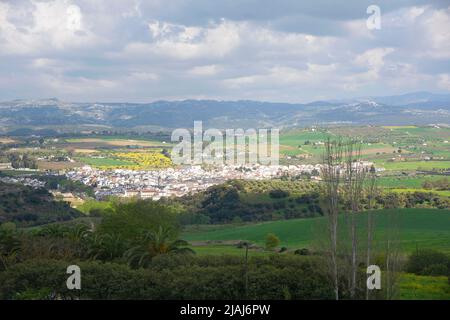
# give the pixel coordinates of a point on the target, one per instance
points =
(291, 51)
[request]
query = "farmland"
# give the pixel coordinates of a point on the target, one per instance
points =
(415, 287)
(413, 163)
(424, 228)
(397, 148)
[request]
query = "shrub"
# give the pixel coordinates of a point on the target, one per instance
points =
(302, 252)
(278, 194)
(272, 241)
(428, 261)
(172, 277)
(448, 273)
(435, 270)
(46, 279)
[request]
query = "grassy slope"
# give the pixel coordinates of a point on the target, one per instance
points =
(413, 287)
(426, 228)
(406, 182)
(414, 165)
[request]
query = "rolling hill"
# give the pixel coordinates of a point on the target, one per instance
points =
(414, 108)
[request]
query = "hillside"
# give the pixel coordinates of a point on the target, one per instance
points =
(26, 206)
(422, 228)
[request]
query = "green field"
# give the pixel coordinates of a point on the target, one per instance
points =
(104, 162)
(444, 193)
(414, 287)
(423, 228)
(414, 165)
(405, 182)
(89, 205)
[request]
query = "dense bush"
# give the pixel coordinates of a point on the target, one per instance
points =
(171, 277)
(130, 219)
(302, 252)
(278, 194)
(99, 281)
(267, 200)
(448, 273)
(428, 262)
(26, 206)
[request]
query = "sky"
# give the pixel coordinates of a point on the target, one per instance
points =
(281, 51)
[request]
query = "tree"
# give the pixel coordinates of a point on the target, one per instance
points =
(272, 241)
(154, 243)
(331, 175)
(105, 247)
(391, 239)
(371, 194)
(10, 246)
(353, 192)
(129, 220)
(424, 261)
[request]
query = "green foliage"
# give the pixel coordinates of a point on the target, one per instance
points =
(415, 287)
(95, 208)
(276, 199)
(130, 220)
(154, 243)
(9, 247)
(278, 194)
(272, 241)
(169, 277)
(429, 227)
(61, 183)
(47, 279)
(439, 184)
(302, 252)
(251, 201)
(22, 160)
(26, 206)
(428, 262)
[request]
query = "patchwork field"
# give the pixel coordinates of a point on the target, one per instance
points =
(379, 144)
(114, 142)
(6, 140)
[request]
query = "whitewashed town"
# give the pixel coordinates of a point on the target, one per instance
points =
(177, 182)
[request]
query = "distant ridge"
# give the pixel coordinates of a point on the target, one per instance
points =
(411, 108)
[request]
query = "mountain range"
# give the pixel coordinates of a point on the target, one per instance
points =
(418, 108)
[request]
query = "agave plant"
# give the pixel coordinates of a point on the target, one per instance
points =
(154, 243)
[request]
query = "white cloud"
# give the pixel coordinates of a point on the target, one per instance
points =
(136, 50)
(373, 60)
(144, 76)
(77, 86)
(280, 76)
(444, 81)
(182, 42)
(436, 26)
(207, 70)
(52, 25)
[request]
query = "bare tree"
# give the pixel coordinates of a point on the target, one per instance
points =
(331, 175)
(353, 193)
(392, 262)
(371, 194)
